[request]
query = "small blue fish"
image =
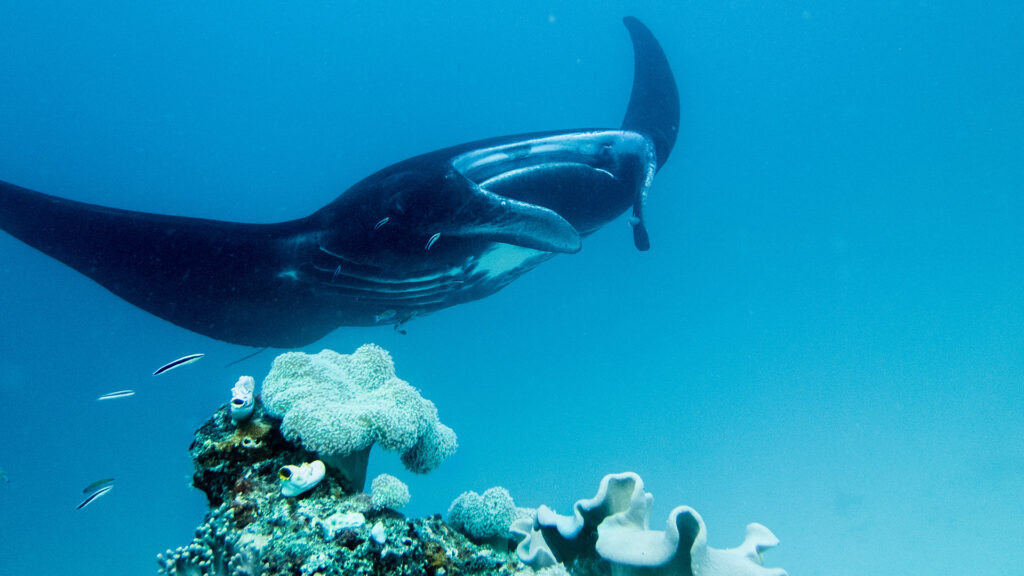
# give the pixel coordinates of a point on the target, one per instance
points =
(432, 240)
(176, 363)
(337, 271)
(382, 222)
(95, 495)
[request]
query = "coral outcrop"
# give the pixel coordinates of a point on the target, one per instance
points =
(253, 530)
(340, 405)
(609, 534)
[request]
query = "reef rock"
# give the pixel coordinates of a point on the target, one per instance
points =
(252, 530)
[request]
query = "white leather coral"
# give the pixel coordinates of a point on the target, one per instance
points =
(613, 528)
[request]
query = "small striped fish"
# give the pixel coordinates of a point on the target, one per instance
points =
(116, 395)
(179, 362)
(434, 238)
(95, 495)
(97, 485)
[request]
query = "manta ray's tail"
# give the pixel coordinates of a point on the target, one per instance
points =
(654, 104)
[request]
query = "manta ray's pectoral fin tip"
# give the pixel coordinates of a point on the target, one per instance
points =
(654, 103)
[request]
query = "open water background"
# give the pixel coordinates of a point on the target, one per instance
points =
(825, 338)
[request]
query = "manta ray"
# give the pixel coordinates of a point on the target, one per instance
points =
(443, 228)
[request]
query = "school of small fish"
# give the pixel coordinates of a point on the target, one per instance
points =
(101, 487)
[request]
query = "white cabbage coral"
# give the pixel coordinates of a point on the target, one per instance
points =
(340, 405)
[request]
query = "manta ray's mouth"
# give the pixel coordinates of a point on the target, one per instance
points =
(587, 177)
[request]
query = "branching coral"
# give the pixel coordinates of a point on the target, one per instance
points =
(217, 550)
(341, 405)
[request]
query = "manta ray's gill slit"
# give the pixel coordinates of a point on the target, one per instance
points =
(339, 256)
(374, 277)
(395, 296)
(396, 293)
(419, 303)
(349, 283)
(338, 268)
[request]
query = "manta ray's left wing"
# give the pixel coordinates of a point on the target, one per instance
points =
(212, 277)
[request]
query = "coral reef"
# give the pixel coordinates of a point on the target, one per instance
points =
(388, 492)
(252, 530)
(609, 533)
(340, 405)
(217, 550)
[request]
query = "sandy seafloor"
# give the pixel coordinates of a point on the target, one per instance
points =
(826, 337)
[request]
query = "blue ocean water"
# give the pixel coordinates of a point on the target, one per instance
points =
(825, 338)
